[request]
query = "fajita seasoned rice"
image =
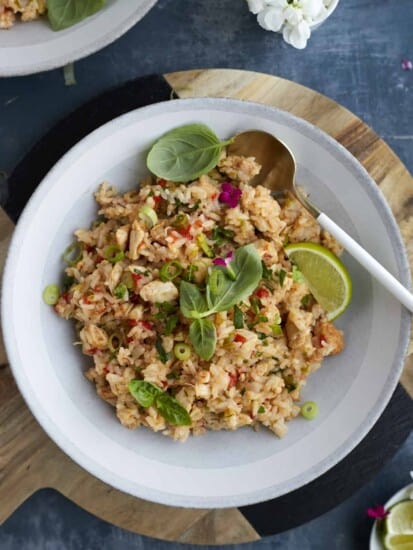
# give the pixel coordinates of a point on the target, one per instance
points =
(257, 371)
(26, 10)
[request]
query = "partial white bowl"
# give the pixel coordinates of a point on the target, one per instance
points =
(403, 494)
(220, 469)
(330, 10)
(33, 47)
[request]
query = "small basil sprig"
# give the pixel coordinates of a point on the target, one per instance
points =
(185, 153)
(65, 13)
(246, 271)
(147, 394)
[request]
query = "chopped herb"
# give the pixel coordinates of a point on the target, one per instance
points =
(121, 292)
(262, 319)
(290, 387)
(204, 246)
(262, 336)
(67, 283)
(163, 355)
(238, 318)
(174, 375)
(306, 300)
(220, 235)
(266, 271)
(297, 275)
(170, 325)
(281, 277)
(181, 221)
(195, 206)
(256, 305)
(261, 410)
(99, 220)
(277, 329)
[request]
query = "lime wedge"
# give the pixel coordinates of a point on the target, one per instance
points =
(398, 542)
(325, 274)
(400, 519)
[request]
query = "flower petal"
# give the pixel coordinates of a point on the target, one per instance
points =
(271, 19)
(255, 6)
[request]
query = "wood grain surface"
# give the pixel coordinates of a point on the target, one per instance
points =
(29, 460)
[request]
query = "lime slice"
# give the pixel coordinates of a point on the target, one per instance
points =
(400, 519)
(325, 274)
(398, 542)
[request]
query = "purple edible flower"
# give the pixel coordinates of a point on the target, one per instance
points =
(377, 513)
(226, 262)
(407, 65)
(230, 195)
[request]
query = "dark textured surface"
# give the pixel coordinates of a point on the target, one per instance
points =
(354, 58)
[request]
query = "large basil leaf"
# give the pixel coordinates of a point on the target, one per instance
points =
(185, 153)
(203, 336)
(191, 301)
(172, 410)
(65, 13)
(144, 392)
(247, 268)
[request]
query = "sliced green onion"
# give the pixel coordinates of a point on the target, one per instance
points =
(121, 292)
(238, 318)
(115, 341)
(262, 319)
(51, 295)
(309, 410)
(148, 215)
(256, 304)
(203, 244)
(73, 254)
(171, 323)
(277, 329)
(113, 254)
(261, 410)
(182, 351)
(127, 280)
(181, 221)
(216, 281)
(170, 271)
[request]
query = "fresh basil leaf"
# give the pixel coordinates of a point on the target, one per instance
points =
(185, 153)
(247, 268)
(172, 410)
(65, 13)
(191, 301)
(203, 337)
(144, 392)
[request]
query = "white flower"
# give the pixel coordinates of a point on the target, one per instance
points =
(255, 6)
(298, 35)
(292, 15)
(311, 8)
(271, 19)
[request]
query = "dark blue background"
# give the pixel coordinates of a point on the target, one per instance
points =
(354, 58)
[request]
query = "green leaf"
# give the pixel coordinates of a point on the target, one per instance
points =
(144, 392)
(65, 13)
(247, 268)
(203, 337)
(191, 301)
(185, 153)
(172, 410)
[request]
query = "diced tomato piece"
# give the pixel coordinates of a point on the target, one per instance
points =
(162, 182)
(136, 276)
(186, 232)
(65, 297)
(106, 370)
(89, 248)
(214, 196)
(132, 322)
(91, 351)
(240, 338)
(233, 379)
(86, 300)
(157, 199)
(262, 293)
(99, 259)
(146, 325)
(129, 339)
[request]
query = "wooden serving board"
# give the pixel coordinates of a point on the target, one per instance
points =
(29, 460)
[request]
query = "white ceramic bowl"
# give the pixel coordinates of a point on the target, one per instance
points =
(331, 8)
(32, 47)
(219, 469)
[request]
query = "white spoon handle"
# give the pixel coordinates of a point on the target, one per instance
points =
(368, 262)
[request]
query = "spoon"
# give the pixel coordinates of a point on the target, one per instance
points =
(278, 174)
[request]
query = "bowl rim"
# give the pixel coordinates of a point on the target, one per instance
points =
(52, 429)
(76, 54)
